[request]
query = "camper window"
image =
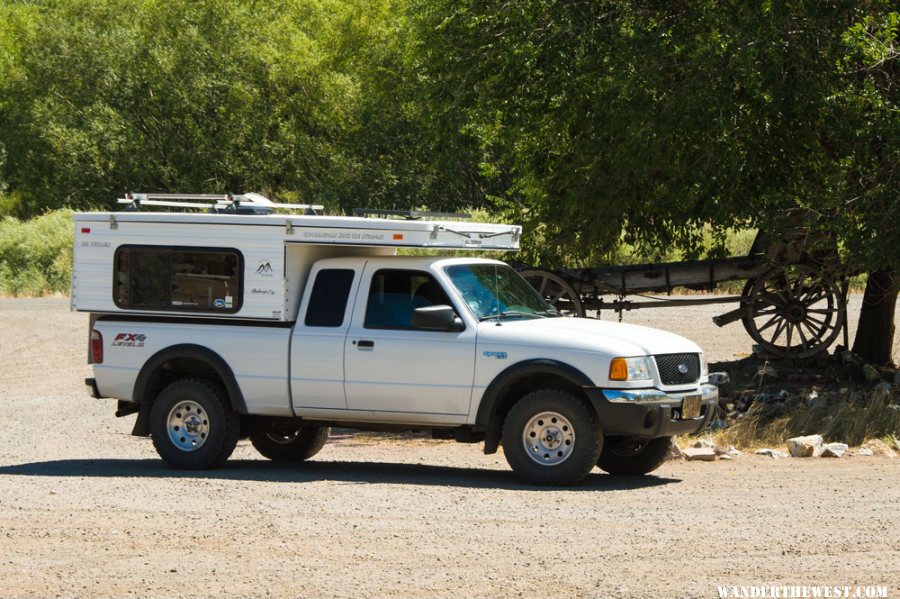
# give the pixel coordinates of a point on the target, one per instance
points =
(178, 279)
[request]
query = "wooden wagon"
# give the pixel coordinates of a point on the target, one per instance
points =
(793, 303)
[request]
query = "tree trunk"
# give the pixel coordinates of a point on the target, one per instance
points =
(875, 335)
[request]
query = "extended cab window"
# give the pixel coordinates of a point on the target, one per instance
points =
(328, 300)
(178, 279)
(394, 294)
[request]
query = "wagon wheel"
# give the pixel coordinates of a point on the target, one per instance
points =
(793, 312)
(555, 290)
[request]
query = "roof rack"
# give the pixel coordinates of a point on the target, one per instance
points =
(408, 214)
(247, 203)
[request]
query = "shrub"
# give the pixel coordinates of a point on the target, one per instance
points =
(36, 255)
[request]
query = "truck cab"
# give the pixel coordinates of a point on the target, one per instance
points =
(357, 337)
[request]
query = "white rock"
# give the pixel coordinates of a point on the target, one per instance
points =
(734, 451)
(806, 447)
(725, 456)
(702, 454)
(879, 447)
(675, 452)
(864, 452)
(834, 450)
(704, 443)
(770, 453)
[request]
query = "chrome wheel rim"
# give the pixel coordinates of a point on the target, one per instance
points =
(188, 425)
(549, 438)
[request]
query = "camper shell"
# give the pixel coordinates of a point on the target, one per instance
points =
(239, 266)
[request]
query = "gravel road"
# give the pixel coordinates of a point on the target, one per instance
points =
(86, 510)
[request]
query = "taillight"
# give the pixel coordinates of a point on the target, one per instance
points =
(96, 347)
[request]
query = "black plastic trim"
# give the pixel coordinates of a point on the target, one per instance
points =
(519, 371)
(212, 320)
(646, 420)
(196, 352)
(95, 392)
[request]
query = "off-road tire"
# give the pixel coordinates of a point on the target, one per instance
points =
(296, 445)
(635, 459)
(216, 427)
(537, 417)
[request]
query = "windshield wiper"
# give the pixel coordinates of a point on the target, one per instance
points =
(510, 313)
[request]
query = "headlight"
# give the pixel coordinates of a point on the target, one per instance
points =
(704, 367)
(630, 369)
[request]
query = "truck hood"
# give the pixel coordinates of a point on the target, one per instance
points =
(585, 334)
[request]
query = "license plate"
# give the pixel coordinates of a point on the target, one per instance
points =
(690, 407)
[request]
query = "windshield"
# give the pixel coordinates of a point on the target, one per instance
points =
(497, 291)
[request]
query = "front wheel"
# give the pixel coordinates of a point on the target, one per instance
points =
(192, 425)
(289, 443)
(550, 437)
(633, 457)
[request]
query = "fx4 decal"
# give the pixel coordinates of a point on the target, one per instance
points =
(129, 340)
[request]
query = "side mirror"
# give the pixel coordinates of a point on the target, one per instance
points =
(437, 318)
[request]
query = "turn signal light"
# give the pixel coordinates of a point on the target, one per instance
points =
(618, 370)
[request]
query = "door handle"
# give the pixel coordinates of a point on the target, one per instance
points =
(365, 343)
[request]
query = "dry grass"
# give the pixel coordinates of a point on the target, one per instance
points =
(852, 419)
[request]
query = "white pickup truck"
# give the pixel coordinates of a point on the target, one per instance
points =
(217, 327)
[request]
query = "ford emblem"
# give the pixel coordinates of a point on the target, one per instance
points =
(682, 368)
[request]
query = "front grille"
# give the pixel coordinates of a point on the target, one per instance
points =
(670, 368)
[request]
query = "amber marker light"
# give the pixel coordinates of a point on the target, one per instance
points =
(618, 370)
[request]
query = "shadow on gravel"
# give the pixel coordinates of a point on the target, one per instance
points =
(348, 472)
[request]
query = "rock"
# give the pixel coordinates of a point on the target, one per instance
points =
(770, 453)
(883, 392)
(805, 447)
(834, 450)
(703, 444)
(733, 451)
(871, 373)
(879, 447)
(703, 454)
(864, 452)
(719, 378)
(675, 453)
(729, 406)
(725, 456)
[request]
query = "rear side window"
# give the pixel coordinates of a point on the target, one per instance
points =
(178, 279)
(328, 300)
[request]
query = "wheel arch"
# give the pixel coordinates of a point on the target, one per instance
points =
(515, 381)
(173, 362)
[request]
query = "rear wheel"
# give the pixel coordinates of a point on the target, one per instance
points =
(192, 425)
(635, 457)
(288, 442)
(550, 437)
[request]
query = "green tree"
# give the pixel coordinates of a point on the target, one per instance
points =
(105, 96)
(654, 118)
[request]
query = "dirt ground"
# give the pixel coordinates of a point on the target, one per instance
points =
(86, 510)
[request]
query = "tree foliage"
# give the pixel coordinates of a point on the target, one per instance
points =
(654, 118)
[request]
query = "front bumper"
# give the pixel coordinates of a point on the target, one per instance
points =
(651, 413)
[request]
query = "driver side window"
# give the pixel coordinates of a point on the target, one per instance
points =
(394, 294)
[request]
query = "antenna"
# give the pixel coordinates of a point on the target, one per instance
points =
(497, 293)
